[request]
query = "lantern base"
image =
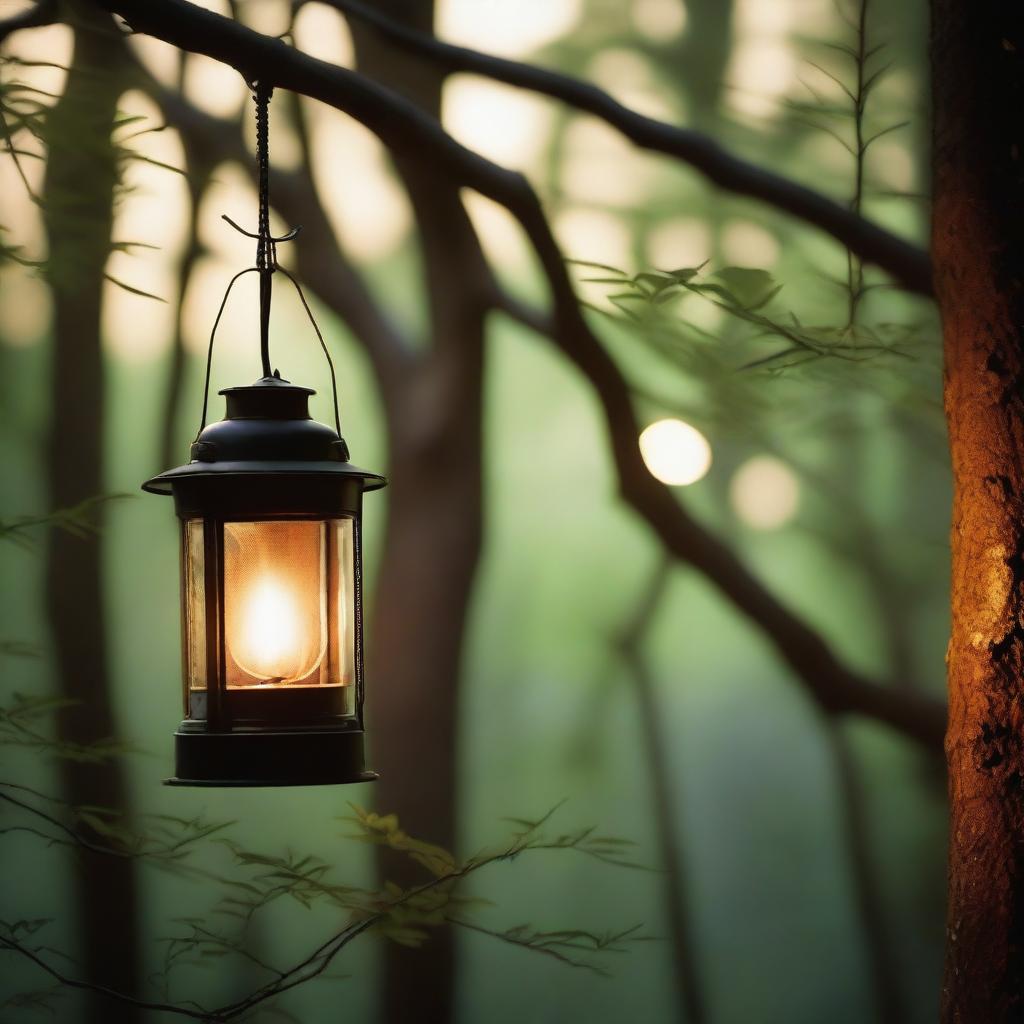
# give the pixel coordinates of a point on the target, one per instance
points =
(300, 757)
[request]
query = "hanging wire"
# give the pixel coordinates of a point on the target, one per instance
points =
(323, 345)
(266, 261)
(266, 250)
(213, 335)
(262, 97)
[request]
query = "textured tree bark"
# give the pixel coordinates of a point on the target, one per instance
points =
(977, 54)
(433, 537)
(81, 177)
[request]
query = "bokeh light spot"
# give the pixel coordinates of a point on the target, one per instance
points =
(675, 452)
(765, 493)
(509, 30)
(659, 20)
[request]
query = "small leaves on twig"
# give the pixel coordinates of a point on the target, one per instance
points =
(78, 520)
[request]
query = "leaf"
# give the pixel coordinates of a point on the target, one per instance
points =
(604, 280)
(413, 938)
(156, 163)
(838, 81)
(597, 266)
(848, 51)
(749, 287)
(656, 280)
(128, 246)
(874, 79)
(18, 649)
(133, 290)
(879, 134)
(684, 274)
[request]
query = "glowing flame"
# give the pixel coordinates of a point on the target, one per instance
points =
(270, 634)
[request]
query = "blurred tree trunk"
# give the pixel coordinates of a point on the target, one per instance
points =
(978, 244)
(434, 528)
(703, 58)
(81, 177)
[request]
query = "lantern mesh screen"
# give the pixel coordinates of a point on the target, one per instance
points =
(288, 603)
(194, 606)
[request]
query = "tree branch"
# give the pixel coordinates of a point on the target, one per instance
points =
(667, 816)
(404, 129)
(907, 263)
(103, 990)
(836, 688)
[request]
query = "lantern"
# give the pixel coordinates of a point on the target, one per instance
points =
(271, 598)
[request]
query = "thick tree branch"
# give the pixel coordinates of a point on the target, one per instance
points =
(404, 129)
(907, 263)
(836, 688)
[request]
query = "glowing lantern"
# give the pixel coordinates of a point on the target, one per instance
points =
(270, 512)
(271, 605)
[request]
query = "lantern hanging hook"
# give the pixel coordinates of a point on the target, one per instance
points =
(266, 261)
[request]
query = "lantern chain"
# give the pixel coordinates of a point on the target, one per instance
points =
(266, 249)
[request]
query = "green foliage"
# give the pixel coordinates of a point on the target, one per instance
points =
(654, 303)
(383, 830)
(255, 881)
(78, 520)
(24, 126)
(402, 915)
(22, 112)
(23, 720)
(767, 366)
(860, 72)
(18, 649)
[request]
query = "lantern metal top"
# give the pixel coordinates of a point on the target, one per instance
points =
(267, 430)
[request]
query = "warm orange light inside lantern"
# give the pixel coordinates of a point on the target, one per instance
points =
(271, 642)
(282, 582)
(289, 605)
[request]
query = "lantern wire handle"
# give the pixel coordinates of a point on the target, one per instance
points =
(323, 345)
(266, 261)
(213, 335)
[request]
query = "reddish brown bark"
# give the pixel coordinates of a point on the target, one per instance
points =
(978, 67)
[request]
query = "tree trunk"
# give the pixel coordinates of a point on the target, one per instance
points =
(977, 54)
(432, 548)
(691, 1002)
(433, 537)
(81, 176)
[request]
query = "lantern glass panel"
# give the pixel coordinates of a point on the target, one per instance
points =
(289, 603)
(194, 604)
